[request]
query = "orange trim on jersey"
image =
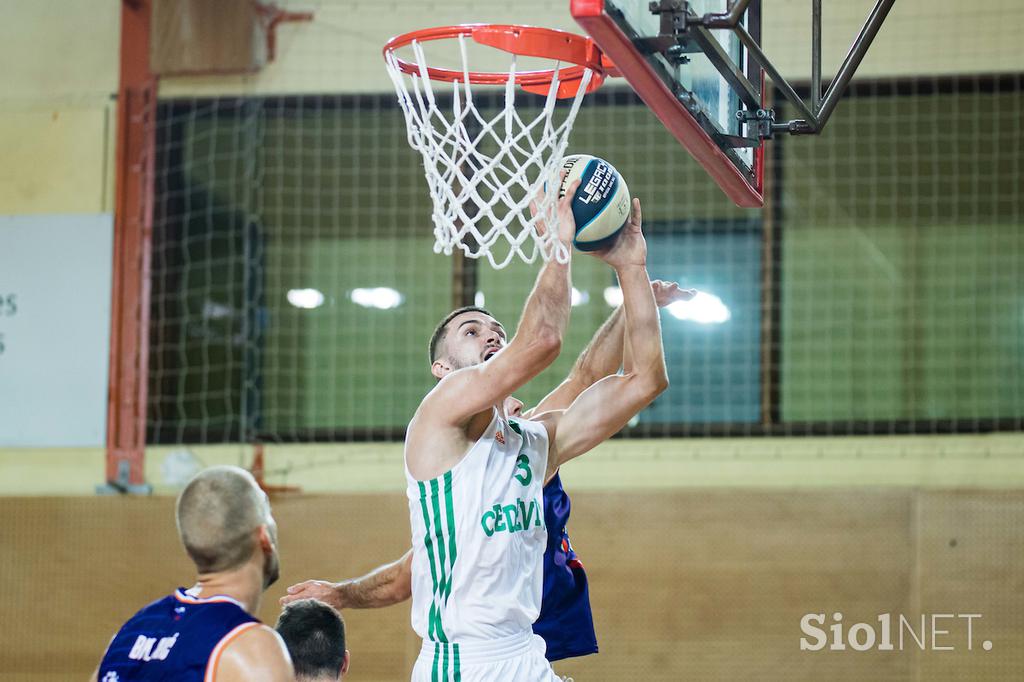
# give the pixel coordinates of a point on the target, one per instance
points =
(211, 664)
(188, 599)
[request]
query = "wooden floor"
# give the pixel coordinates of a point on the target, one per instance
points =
(686, 585)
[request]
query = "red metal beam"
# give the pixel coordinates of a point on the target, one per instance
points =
(590, 15)
(133, 212)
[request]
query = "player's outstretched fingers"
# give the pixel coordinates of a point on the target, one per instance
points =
(308, 589)
(666, 293)
(636, 216)
(566, 220)
(565, 200)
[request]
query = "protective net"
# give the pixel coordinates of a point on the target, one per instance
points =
(295, 288)
(487, 175)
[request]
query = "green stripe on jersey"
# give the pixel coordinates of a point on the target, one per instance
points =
(442, 561)
(429, 543)
(452, 552)
(438, 551)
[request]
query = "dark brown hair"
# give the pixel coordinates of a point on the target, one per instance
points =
(442, 328)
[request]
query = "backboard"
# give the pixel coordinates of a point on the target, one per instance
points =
(690, 77)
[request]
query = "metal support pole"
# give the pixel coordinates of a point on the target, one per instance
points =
(815, 116)
(780, 82)
(853, 60)
(729, 19)
(133, 236)
(815, 55)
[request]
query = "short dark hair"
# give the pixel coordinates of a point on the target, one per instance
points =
(442, 328)
(315, 636)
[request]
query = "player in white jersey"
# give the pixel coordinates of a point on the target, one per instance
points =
(475, 476)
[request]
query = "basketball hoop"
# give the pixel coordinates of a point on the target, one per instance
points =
(484, 173)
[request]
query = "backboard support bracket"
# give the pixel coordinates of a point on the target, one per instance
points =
(655, 44)
(682, 32)
(817, 114)
(762, 120)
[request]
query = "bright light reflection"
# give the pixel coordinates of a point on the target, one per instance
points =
(382, 298)
(305, 298)
(703, 308)
(579, 297)
(613, 296)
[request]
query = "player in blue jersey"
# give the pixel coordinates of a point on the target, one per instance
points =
(208, 632)
(565, 621)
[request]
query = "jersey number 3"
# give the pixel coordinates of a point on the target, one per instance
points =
(523, 462)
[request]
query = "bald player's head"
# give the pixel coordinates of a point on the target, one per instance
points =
(224, 518)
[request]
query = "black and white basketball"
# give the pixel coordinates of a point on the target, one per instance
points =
(601, 205)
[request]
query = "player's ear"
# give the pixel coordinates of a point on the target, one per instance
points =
(266, 542)
(344, 664)
(439, 369)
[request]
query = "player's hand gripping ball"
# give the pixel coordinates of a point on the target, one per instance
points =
(601, 204)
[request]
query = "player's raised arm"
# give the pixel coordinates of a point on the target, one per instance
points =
(604, 355)
(492, 370)
(385, 585)
(604, 408)
(601, 357)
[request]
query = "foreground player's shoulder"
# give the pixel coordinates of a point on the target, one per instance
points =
(548, 419)
(441, 403)
(252, 651)
(546, 424)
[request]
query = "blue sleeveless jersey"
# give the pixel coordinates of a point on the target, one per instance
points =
(175, 638)
(565, 622)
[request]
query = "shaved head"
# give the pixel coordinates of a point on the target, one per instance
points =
(217, 513)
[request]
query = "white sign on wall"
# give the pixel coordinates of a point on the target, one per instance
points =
(55, 274)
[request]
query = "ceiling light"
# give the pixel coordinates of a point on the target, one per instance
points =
(703, 308)
(305, 298)
(382, 298)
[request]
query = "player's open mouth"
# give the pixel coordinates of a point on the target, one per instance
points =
(490, 354)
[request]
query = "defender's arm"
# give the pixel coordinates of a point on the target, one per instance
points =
(605, 353)
(601, 357)
(383, 586)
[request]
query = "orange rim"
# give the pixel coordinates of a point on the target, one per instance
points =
(529, 41)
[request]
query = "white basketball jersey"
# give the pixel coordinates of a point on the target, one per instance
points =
(478, 538)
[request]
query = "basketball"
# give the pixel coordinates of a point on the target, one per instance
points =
(601, 205)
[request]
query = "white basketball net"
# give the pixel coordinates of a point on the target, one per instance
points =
(482, 198)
